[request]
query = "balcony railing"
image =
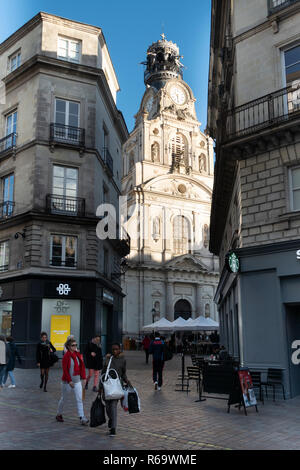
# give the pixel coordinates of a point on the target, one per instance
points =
(65, 205)
(276, 5)
(3, 268)
(68, 263)
(67, 134)
(8, 142)
(108, 160)
(121, 244)
(6, 209)
(269, 110)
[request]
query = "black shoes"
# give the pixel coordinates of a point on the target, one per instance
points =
(95, 389)
(112, 432)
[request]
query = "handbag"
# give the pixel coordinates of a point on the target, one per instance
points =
(97, 414)
(53, 358)
(112, 386)
(133, 401)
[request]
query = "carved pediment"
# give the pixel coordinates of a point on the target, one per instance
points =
(180, 187)
(188, 262)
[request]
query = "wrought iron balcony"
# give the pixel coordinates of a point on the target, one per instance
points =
(121, 244)
(3, 268)
(6, 209)
(269, 110)
(8, 142)
(108, 160)
(67, 134)
(276, 5)
(65, 205)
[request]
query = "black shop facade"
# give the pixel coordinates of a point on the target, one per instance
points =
(82, 307)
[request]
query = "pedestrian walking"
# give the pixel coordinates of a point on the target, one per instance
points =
(73, 373)
(13, 353)
(43, 358)
(93, 361)
(156, 348)
(118, 363)
(4, 358)
(146, 343)
(65, 347)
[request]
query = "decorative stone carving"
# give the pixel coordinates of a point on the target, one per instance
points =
(156, 228)
(202, 163)
(155, 152)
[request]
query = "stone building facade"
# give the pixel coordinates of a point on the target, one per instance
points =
(253, 113)
(167, 186)
(60, 158)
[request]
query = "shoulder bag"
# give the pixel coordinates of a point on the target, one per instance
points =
(112, 386)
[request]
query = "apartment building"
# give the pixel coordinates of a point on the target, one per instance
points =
(254, 117)
(60, 158)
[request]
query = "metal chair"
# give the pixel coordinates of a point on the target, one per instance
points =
(257, 383)
(193, 374)
(274, 377)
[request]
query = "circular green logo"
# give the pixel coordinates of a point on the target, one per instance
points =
(233, 262)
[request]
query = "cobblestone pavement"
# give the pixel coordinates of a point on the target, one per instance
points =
(168, 420)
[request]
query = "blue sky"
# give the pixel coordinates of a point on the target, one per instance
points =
(129, 28)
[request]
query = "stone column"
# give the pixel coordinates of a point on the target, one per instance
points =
(169, 313)
(199, 300)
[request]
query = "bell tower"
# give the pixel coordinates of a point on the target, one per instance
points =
(167, 180)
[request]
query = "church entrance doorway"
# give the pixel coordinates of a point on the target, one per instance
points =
(182, 309)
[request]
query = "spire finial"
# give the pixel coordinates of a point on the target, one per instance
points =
(163, 36)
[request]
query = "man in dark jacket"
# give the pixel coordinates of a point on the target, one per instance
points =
(156, 348)
(13, 350)
(93, 361)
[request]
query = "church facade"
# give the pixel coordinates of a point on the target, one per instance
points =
(167, 187)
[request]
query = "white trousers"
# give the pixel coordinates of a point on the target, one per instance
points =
(65, 390)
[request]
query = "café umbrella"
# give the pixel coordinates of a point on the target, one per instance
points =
(161, 325)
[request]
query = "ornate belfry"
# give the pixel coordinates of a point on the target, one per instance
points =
(170, 183)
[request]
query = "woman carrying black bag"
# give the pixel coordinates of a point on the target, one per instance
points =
(43, 358)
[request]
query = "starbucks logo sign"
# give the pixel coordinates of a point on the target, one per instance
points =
(232, 262)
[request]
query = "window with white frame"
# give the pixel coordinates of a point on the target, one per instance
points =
(294, 176)
(292, 64)
(63, 251)
(68, 49)
(14, 61)
(4, 255)
(11, 129)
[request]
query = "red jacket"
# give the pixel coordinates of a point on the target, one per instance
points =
(66, 364)
(146, 342)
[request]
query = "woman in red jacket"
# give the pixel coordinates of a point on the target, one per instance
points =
(73, 372)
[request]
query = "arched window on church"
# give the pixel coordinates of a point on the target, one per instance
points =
(181, 235)
(207, 311)
(155, 152)
(178, 150)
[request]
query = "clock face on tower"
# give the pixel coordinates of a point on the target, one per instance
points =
(177, 94)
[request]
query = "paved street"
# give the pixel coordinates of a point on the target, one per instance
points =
(168, 419)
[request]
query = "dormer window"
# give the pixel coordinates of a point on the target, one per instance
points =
(68, 49)
(14, 61)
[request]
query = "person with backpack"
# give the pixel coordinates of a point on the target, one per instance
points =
(13, 353)
(157, 349)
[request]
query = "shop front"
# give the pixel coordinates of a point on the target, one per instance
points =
(259, 307)
(60, 307)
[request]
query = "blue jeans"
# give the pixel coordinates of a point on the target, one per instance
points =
(2, 373)
(9, 373)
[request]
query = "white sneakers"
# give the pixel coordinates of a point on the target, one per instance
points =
(84, 421)
(11, 386)
(158, 388)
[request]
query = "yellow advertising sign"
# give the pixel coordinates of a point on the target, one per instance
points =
(60, 330)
